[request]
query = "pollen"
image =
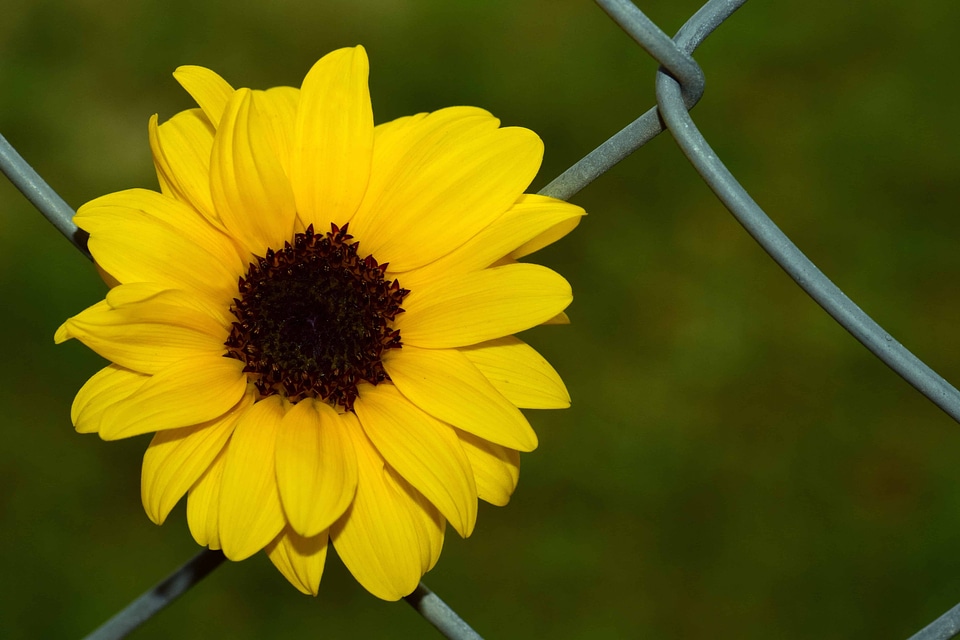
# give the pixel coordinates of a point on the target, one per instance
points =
(314, 319)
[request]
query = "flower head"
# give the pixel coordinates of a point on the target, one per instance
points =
(315, 316)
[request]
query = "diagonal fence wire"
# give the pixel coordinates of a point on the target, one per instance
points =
(154, 600)
(679, 86)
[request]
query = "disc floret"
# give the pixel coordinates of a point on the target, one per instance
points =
(314, 318)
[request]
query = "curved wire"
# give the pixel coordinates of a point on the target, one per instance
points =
(785, 253)
(648, 126)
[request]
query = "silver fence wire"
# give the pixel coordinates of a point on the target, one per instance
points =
(679, 86)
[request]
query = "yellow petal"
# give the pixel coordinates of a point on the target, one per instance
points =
(496, 468)
(299, 559)
(107, 387)
(551, 234)
(250, 511)
(439, 179)
(203, 504)
(147, 336)
(461, 310)
(445, 384)
(250, 190)
(521, 374)
(140, 292)
(333, 141)
(206, 87)
(191, 391)
(144, 236)
(388, 537)
(176, 458)
(278, 109)
(560, 318)
(423, 450)
(316, 466)
(181, 155)
(532, 219)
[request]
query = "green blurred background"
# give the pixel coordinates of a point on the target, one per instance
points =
(734, 464)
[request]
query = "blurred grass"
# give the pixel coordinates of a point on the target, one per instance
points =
(734, 464)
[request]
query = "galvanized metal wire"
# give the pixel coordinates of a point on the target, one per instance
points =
(157, 598)
(679, 86)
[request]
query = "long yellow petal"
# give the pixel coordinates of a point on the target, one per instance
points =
(333, 142)
(521, 374)
(316, 466)
(439, 179)
(300, 559)
(386, 535)
(144, 236)
(532, 219)
(250, 511)
(176, 458)
(461, 310)
(249, 187)
(147, 336)
(181, 155)
(423, 450)
(191, 391)
(106, 388)
(428, 522)
(445, 384)
(548, 236)
(496, 468)
(203, 504)
(122, 295)
(278, 109)
(206, 87)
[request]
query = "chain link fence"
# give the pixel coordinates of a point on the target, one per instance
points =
(680, 84)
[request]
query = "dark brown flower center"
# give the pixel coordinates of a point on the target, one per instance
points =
(314, 318)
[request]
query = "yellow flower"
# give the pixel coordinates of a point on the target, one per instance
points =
(315, 316)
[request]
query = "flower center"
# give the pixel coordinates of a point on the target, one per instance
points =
(314, 318)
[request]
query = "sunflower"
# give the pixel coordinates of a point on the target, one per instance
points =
(315, 317)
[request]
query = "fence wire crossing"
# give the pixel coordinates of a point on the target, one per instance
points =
(679, 86)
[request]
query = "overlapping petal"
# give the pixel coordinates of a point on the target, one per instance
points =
(176, 458)
(522, 375)
(278, 109)
(250, 512)
(144, 236)
(423, 450)
(191, 391)
(460, 310)
(206, 87)
(333, 139)
(181, 155)
(111, 385)
(316, 466)
(203, 504)
(146, 335)
(437, 180)
(533, 220)
(300, 559)
(250, 189)
(390, 536)
(445, 384)
(496, 468)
